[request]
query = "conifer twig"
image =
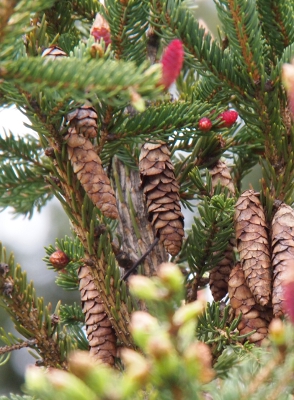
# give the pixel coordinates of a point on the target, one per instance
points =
(18, 346)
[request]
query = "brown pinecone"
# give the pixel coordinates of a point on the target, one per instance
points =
(219, 275)
(282, 253)
(253, 246)
(101, 335)
(220, 174)
(162, 195)
(84, 120)
(254, 316)
(54, 53)
(87, 165)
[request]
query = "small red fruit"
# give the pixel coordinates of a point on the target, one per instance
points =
(204, 124)
(59, 259)
(172, 62)
(228, 117)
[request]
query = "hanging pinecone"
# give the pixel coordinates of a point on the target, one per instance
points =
(220, 174)
(87, 165)
(219, 275)
(84, 119)
(162, 195)
(101, 335)
(282, 254)
(54, 53)
(254, 316)
(252, 244)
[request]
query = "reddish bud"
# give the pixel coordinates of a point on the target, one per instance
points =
(172, 62)
(59, 259)
(288, 291)
(100, 30)
(204, 124)
(288, 82)
(228, 117)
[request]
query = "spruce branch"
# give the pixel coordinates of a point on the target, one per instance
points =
(29, 315)
(210, 234)
(273, 25)
(18, 346)
(217, 328)
(15, 22)
(277, 28)
(128, 23)
(84, 80)
(86, 8)
(100, 258)
(241, 20)
(202, 52)
(22, 174)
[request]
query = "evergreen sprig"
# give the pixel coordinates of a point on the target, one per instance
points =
(86, 8)
(277, 29)
(22, 174)
(15, 22)
(244, 34)
(210, 233)
(128, 25)
(72, 317)
(31, 318)
(111, 81)
(162, 121)
(203, 53)
(215, 328)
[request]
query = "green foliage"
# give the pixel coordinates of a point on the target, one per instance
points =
(241, 70)
(67, 277)
(31, 318)
(215, 328)
(22, 184)
(210, 233)
(107, 79)
(174, 363)
(128, 25)
(73, 318)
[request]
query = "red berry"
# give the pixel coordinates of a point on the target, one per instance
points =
(204, 124)
(229, 117)
(59, 259)
(172, 62)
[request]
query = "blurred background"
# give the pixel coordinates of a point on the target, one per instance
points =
(27, 238)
